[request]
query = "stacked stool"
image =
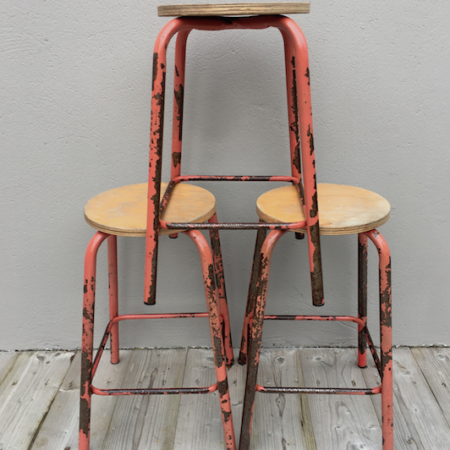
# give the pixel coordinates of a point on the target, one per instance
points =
(154, 209)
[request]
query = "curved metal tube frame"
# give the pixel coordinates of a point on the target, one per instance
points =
(383, 361)
(89, 365)
(300, 126)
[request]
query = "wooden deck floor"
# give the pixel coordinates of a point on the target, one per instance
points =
(39, 401)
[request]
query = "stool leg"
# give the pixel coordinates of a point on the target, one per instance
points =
(220, 281)
(113, 296)
(254, 346)
(216, 335)
(362, 298)
(88, 338)
(387, 410)
(261, 235)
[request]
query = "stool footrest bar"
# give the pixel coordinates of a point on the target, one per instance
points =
(156, 391)
(232, 226)
(116, 319)
(310, 317)
(357, 320)
(306, 390)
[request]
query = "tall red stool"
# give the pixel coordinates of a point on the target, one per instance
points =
(296, 62)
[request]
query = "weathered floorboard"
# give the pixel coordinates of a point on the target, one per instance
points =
(418, 420)
(340, 421)
(60, 428)
(7, 361)
(142, 421)
(29, 382)
(199, 422)
(281, 420)
(236, 380)
(419, 406)
(26, 393)
(435, 365)
(404, 433)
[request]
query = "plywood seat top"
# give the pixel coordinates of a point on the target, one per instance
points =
(233, 9)
(342, 209)
(123, 211)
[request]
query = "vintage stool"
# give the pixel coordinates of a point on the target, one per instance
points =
(122, 212)
(296, 59)
(343, 210)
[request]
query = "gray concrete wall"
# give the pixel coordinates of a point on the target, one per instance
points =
(74, 121)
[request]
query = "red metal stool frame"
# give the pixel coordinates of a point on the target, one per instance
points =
(216, 319)
(296, 59)
(253, 328)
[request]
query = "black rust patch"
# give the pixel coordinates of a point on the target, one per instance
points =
(155, 69)
(307, 75)
(218, 351)
(311, 140)
(316, 274)
(176, 158)
(179, 99)
(151, 299)
(85, 416)
(314, 206)
(294, 125)
(223, 387)
(385, 300)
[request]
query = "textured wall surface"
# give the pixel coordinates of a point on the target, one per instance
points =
(74, 121)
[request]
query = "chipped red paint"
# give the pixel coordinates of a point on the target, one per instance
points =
(373, 350)
(178, 102)
(383, 364)
(385, 338)
(362, 298)
(216, 334)
(89, 366)
(113, 296)
(221, 292)
(166, 198)
(88, 337)
(254, 346)
(251, 297)
(295, 44)
(291, 88)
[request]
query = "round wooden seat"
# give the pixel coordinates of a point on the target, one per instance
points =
(123, 211)
(233, 9)
(342, 209)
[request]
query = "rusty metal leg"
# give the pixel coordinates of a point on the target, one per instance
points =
(297, 71)
(216, 335)
(385, 338)
(256, 335)
(221, 291)
(362, 298)
(113, 296)
(260, 237)
(88, 337)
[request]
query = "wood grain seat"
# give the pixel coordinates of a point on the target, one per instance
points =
(233, 9)
(342, 209)
(123, 211)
